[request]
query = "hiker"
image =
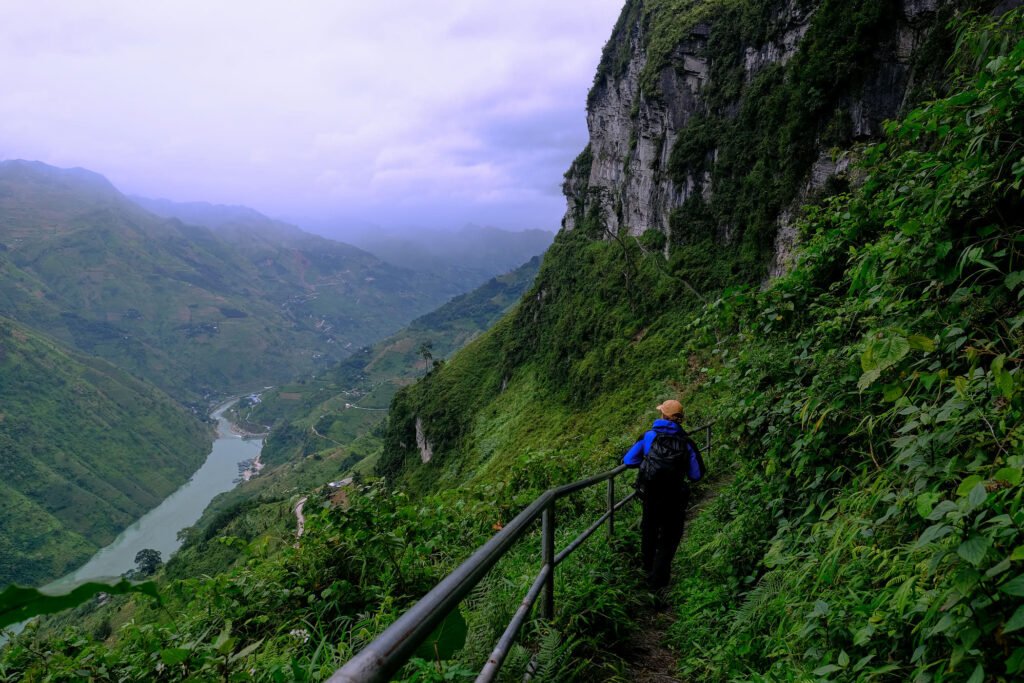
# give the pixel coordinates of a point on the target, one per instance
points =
(667, 459)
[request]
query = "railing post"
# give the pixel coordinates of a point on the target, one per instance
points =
(547, 605)
(611, 508)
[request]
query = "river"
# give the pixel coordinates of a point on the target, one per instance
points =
(158, 529)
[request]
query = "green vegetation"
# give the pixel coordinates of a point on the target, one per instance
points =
(330, 425)
(85, 449)
(865, 516)
(870, 403)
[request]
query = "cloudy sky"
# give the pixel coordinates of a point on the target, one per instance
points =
(398, 113)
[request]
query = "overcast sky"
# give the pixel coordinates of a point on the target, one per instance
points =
(398, 113)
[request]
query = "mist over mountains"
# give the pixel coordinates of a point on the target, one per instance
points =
(199, 299)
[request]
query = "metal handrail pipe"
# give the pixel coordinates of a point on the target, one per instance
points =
(396, 644)
(501, 649)
(393, 647)
(578, 541)
(565, 489)
(622, 503)
(390, 650)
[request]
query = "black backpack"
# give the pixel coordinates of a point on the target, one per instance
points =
(667, 465)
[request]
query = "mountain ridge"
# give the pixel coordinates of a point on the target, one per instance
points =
(194, 311)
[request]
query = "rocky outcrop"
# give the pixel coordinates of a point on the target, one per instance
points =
(632, 135)
(623, 181)
(422, 443)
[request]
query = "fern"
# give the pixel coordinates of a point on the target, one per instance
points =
(767, 589)
(555, 663)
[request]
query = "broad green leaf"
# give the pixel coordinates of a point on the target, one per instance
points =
(961, 384)
(926, 502)
(911, 227)
(943, 509)
(974, 548)
(892, 392)
(883, 353)
(933, 533)
(862, 662)
(1014, 279)
(1018, 553)
(1002, 378)
(826, 670)
(1014, 586)
(1011, 475)
(246, 651)
(1016, 661)
(174, 655)
(968, 485)
(1016, 622)
(998, 568)
(844, 659)
(18, 604)
(919, 342)
(977, 495)
(978, 676)
(868, 378)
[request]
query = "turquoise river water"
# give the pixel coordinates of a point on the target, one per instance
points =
(158, 529)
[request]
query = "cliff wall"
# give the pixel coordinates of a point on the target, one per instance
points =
(716, 119)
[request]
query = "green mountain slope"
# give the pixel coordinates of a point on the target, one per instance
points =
(196, 311)
(85, 449)
(864, 516)
(325, 427)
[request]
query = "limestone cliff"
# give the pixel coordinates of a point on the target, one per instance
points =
(683, 87)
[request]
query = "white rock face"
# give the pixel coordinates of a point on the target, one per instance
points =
(426, 449)
(631, 137)
(632, 133)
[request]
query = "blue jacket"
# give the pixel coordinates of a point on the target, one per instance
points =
(635, 455)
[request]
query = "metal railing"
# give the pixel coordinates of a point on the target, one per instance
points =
(396, 644)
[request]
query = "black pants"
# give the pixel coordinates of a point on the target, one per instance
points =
(661, 529)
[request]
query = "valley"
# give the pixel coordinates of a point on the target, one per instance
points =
(110, 306)
(801, 219)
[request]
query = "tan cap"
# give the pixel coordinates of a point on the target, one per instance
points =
(671, 407)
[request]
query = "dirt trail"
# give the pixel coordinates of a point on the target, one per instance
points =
(299, 517)
(651, 660)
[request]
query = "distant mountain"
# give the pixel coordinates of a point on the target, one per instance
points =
(198, 310)
(343, 402)
(231, 220)
(469, 256)
(85, 449)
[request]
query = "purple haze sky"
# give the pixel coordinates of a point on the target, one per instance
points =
(327, 112)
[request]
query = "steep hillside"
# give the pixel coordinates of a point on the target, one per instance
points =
(868, 402)
(371, 376)
(325, 427)
(864, 517)
(194, 310)
(85, 449)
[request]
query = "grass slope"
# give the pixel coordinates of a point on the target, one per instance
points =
(320, 437)
(85, 450)
(868, 408)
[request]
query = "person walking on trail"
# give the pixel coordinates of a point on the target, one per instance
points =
(667, 459)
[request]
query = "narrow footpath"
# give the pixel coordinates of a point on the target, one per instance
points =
(650, 659)
(300, 519)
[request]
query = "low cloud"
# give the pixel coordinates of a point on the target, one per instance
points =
(392, 112)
